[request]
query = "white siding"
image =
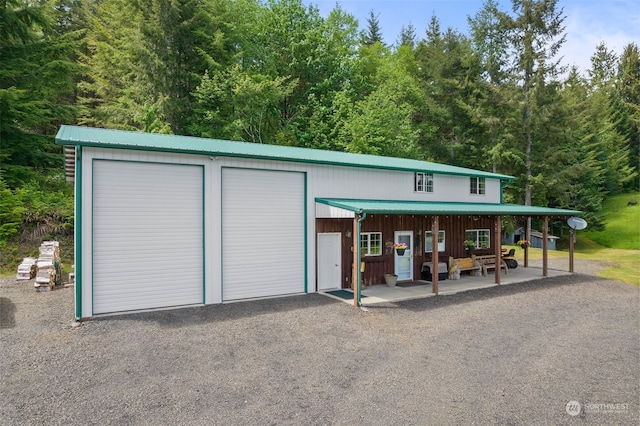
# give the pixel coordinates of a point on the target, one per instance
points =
(147, 235)
(266, 199)
(263, 239)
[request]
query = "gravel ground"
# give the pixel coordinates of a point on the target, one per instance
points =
(504, 355)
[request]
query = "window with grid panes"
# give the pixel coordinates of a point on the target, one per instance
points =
(371, 243)
(423, 182)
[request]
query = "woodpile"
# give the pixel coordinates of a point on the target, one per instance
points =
(49, 274)
(27, 269)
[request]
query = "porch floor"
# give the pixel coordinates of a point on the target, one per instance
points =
(381, 293)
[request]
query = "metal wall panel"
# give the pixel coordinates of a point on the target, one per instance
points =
(147, 243)
(263, 233)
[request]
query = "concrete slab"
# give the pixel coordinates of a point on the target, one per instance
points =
(420, 289)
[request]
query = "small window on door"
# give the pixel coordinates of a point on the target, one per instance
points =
(371, 243)
(428, 241)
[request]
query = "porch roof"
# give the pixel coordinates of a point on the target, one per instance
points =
(440, 208)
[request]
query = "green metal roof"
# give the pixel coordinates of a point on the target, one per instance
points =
(441, 208)
(120, 139)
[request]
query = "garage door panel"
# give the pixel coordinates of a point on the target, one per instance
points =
(263, 233)
(147, 235)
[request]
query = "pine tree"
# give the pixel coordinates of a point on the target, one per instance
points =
(628, 90)
(36, 90)
(407, 36)
(373, 33)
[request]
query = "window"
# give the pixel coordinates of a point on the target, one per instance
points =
(482, 237)
(477, 186)
(428, 242)
(371, 243)
(424, 182)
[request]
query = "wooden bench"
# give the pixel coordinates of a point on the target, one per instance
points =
(465, 264)
(490, 263)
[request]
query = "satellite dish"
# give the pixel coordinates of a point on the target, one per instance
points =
(577, 223)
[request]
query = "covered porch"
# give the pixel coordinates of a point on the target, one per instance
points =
(414, 218)
(381, 293)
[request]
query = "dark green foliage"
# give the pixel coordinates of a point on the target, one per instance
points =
(277, 72)
(373, 33)
(36, 90)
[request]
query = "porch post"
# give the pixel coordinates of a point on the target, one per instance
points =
(571, 235)
(434, 254)
(527, 236)
(498, 250)
(545, 246)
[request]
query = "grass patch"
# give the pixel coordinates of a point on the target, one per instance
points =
(622, 225)
(621, 265)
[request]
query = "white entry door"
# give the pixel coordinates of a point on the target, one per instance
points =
(329, 261)
(404, 263)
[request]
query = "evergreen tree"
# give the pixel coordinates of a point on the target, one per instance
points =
(36, 90)
(407, 36)
(448, 74)
(628, 91)
(491, 108)
(536, 35)
(373, 33)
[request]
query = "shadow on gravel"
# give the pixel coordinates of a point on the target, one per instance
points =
(443, 301)
(7, 313)
(184, 317)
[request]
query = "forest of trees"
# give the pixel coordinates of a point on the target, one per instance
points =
(495, 98)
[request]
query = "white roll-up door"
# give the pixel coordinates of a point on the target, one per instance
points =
(147, 235)
(263, 233)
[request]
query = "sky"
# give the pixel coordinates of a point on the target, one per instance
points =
(588, 22)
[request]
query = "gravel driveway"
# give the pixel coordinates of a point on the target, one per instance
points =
(503, 355)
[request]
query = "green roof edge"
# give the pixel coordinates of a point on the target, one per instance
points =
(108, 138)
(443, 207)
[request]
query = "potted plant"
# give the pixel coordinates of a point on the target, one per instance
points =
(400, 248)
(390, 279)
(470, 245)
(523, 243)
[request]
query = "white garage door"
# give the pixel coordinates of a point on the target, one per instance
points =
(263, 241)
(147, 235)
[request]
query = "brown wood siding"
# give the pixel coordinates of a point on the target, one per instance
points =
(377, 266)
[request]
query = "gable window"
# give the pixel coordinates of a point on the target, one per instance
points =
(424, 182)
(371, 243)
(482, 237)
(428, 241)
(477, 186)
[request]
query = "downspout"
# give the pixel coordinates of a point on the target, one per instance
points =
(359, 256)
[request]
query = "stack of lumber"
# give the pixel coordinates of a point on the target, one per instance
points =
(48, 266)
(27, 269)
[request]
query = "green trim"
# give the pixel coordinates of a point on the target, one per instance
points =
(204, 239)
(78, 232)
(440, 208)
(220, 215)
(306, 236)
(119, 139)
